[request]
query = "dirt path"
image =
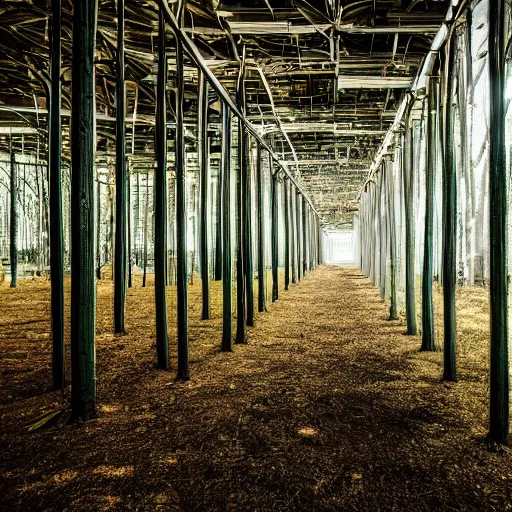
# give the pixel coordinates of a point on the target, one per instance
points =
(329, 407)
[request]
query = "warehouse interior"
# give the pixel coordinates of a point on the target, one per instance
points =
(254, 255)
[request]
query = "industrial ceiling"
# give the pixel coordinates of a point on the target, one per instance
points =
(324, 80)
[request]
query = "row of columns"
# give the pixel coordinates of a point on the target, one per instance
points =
(302, 231)
(440, 126)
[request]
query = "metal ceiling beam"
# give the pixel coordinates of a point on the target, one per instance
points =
(223, 94)
(318, 127)
(374, 82)
(287, 28)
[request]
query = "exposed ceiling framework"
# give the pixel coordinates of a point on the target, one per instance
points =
(324, 80)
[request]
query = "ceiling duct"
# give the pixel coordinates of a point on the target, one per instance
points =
(374, 82)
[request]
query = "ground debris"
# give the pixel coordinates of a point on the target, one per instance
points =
(328, 407)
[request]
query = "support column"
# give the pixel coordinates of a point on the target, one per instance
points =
(450, 227)
(240, 276)
(121, 196)
(275, 236)
(427, 317)
(318, 241)
(298, 217)
(498, 179)
(202, 143)
(56, 235)
(408, 169)
(293, 230)
(227, 265)
(312, 252)
(304, 238)
(13, 220)
(181, 220)
(218, 230)
(160, 195)
(286, 235)
(129, 227)
(249, 266)
(83, 354)
(262, 267)
(390, 181)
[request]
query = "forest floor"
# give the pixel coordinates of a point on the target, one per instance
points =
(328, 407)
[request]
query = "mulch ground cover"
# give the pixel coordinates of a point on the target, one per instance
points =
(327, 407)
